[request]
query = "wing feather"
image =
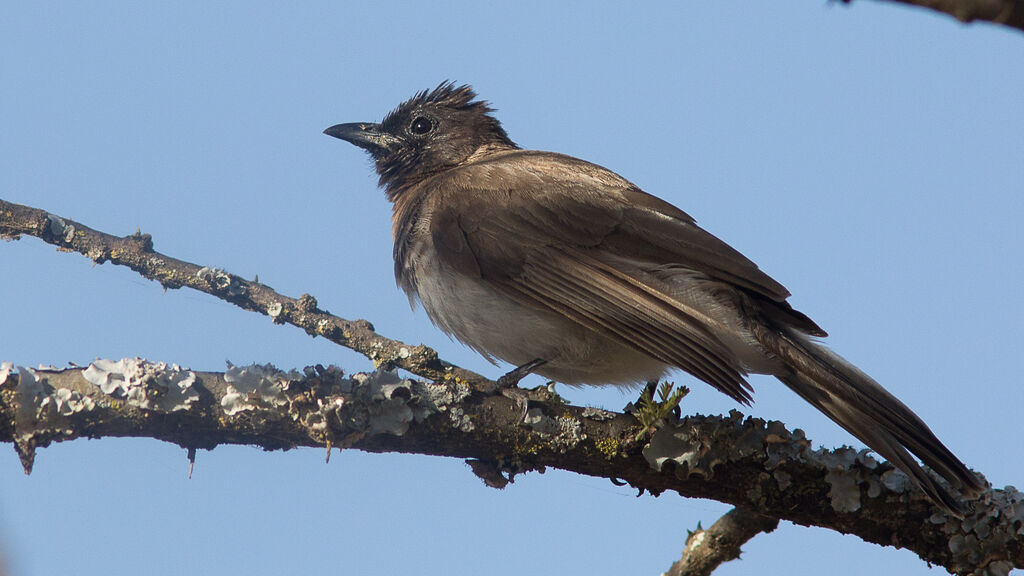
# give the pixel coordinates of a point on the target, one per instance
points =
(602, 298)
(531, 224)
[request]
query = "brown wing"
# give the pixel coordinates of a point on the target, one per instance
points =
(533, 223)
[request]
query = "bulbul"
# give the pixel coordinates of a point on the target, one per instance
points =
(565, 269)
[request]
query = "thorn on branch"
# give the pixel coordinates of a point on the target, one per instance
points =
(26, 450)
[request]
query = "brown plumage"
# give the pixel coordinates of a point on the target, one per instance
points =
(549, 261)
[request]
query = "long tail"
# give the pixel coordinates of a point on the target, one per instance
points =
(860, 405)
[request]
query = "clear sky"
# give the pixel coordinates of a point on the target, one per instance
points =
(870, 158)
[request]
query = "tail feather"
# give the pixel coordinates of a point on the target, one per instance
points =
(860, 405)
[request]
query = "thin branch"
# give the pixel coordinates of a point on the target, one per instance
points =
(707, 549)
(136, 252)
(1006, 12)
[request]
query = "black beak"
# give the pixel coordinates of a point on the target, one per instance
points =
(365, 135)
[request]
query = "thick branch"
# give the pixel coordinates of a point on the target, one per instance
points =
(748, 463)
(1006, 12)
(136, 252)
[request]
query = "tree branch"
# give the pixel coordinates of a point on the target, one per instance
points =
(136, 252)
(1006, 12)
(707, 549)
(749, 463)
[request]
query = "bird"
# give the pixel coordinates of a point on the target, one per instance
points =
(565, 269)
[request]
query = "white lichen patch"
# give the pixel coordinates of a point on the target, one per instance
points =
(896, 481)
(68, 402)
(214, 276)
(256, 386)
(41, 409)
(696, 455)
(843, 492)
(560, 432)
(460, 420)
(540, 422)
(327, 409)
(442, 396)
(846, 469)
(61, 229)
(432, 398)
(220, 280)
(996, 521)
(598, 414)
(29, 394)
(391, 401)
(395, 403)
(148, 385)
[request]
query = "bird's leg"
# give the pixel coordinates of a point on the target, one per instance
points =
(509, 385)
(511, 380)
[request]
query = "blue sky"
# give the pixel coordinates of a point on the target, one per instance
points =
(869, 157)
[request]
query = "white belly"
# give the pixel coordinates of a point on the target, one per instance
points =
(499, 327)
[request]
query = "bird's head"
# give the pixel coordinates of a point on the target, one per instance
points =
(431, 132)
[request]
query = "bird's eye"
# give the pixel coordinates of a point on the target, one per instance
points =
(421, 125)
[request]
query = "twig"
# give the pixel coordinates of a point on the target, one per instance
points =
(1006, 12)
